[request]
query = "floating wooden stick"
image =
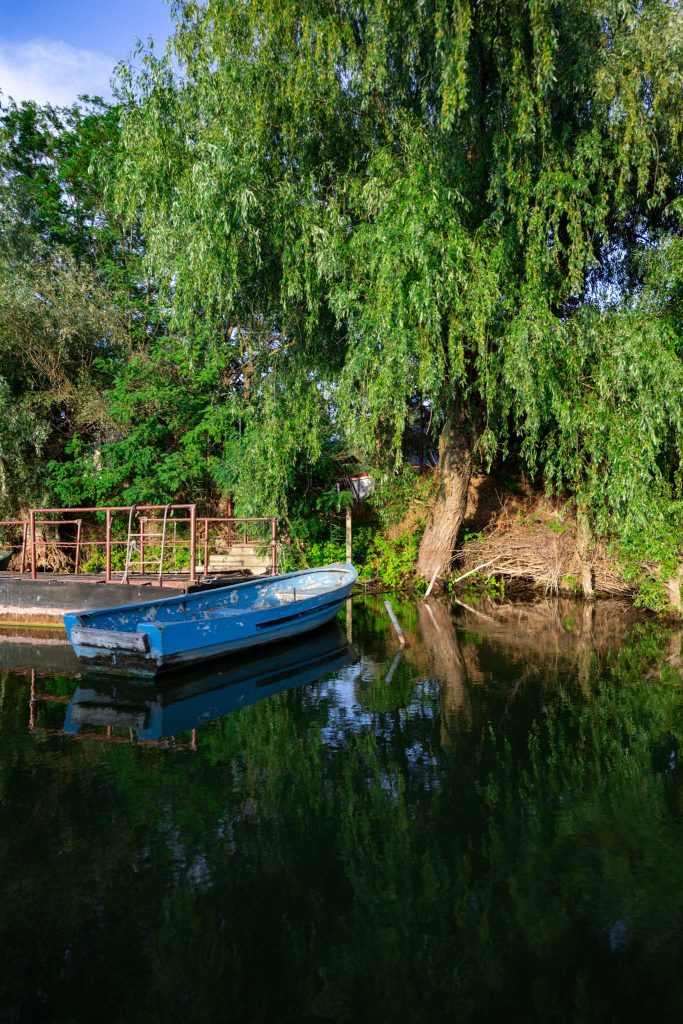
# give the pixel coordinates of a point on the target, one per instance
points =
(394, 622)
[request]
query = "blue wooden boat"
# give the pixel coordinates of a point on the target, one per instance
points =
(205, 694)
(157, 636)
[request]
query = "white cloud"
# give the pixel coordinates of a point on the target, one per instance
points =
(50, 71)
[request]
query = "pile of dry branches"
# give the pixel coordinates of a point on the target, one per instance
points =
(543, 550)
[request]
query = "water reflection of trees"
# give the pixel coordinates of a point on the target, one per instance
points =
(277, 876)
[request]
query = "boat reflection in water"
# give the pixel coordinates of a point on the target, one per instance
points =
(155, 712)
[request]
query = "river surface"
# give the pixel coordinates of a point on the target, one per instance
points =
(485, 826)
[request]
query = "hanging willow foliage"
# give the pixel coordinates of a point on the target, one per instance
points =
(443, 198)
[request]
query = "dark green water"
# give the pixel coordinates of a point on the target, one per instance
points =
(494, 833)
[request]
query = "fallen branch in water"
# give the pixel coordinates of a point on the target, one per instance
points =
(464, 576)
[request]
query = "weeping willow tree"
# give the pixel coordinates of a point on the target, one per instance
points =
(445, 199)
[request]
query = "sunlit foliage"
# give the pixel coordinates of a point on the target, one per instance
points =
(435, 199)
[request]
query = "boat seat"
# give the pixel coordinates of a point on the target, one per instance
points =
(299, 594)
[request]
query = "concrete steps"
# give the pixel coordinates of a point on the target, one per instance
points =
(240, 556)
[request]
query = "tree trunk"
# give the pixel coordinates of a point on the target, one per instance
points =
(455, 470)
(673, 592)
(585, 557)
(675, 643)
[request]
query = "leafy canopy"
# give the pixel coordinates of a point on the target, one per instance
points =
(397, 198)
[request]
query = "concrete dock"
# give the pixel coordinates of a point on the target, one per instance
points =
(45, 600)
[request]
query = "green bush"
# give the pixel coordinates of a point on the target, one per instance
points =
(324, 553)
(174, 561)
(95, 563)
(392, 562)
(479, 585)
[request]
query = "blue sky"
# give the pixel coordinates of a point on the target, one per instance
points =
(52, 50)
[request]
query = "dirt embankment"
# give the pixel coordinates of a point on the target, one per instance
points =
(512, 531)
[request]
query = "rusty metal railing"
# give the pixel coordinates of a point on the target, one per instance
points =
(109, 542)
(166, 539)
(237, 533)
(16, 523)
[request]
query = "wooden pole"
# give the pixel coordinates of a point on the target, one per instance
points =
(206, 547)
(78, 547)
(193, 543)
(231, 515)
(32, 520)
(163, 544)
(349, 536)
(24, 536)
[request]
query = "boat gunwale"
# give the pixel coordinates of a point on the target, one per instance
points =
(199, 594)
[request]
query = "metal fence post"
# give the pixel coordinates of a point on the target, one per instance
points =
(107, 549)
(193, 543)
(32, 519)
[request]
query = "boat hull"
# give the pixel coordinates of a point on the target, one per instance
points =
(115, 640)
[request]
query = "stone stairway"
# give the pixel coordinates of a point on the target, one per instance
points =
(245, 557)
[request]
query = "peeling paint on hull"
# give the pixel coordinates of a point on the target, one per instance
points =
(183, 631)
(128, 663)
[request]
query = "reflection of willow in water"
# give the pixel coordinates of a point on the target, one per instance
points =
(557, 641)
(560, 636)
(555, 634)
(279, 876)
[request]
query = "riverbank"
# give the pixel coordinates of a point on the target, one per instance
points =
(523, 536)
(515, 539)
